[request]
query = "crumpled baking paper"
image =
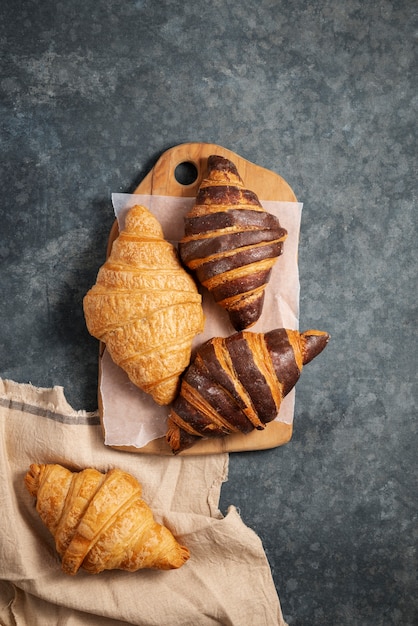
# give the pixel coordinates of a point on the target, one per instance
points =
(131, 417)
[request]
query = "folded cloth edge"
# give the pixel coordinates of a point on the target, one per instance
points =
(23, 400)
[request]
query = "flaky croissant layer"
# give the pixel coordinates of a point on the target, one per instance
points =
(99, 521)
(145, 307)
(231, 243)
(236, 384)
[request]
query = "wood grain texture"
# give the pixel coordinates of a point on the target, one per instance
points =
(161, 180)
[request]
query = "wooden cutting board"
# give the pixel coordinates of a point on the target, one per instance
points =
(170, 176)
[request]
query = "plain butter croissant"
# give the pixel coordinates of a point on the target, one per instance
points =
(231, 242)
(236, 384)
(145, 307)
(99, 521)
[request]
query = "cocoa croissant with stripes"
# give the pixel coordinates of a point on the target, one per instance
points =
(237, 384)
(231, 242)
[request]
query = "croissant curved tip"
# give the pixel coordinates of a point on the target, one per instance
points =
(32, 479)
(179, 557)
(220, 163)
(222, 169)
(164, 392)
(315, 343)
(141, 220)
(177, 438)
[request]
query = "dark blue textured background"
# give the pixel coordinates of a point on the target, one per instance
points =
(323, 93)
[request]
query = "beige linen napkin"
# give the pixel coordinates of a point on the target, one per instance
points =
(227, 580)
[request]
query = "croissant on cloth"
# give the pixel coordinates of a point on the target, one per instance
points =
(231, 242)
(236, 384)
(99, 521)
(145, 307)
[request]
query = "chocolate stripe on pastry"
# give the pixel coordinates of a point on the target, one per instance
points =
(226, 193)
(216, 359)
(231, 218)
(250, 376)
(220, 266)
(229, 226)
(246, 374)
(206, 390)
(283, 358)
(190, 251)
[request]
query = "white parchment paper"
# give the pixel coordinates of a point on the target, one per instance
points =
(131, 417)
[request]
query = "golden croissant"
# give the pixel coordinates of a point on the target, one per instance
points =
(236, 384)
(145, 307)
(231, 243)
(99, 521)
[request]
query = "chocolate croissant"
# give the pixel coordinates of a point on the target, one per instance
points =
(231, 243)
(99, 521)
(236, 384)
(145, 307)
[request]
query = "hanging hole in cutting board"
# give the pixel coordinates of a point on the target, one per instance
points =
(186, 173)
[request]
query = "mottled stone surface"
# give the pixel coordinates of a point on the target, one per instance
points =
(324, 93)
